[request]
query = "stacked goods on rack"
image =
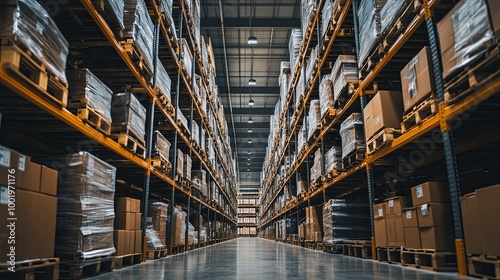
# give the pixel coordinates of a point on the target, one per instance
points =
(313, 226)
(163, 82)
(317, 166)
(195, 132)
(28, 26)
(326, 98)
(200, 180)
(90, 99)
(180, 164)
(161, 147)
(166, 9)
(390, 13)
(369, 26)
(311, 63)
(333, 159)
(300, 88)
(301, 139)
(314, 118)
(139, 28)
(113, 12)
(128, 233)
(35, 199)
(179, 226)
(181, 119)
(157, 231)
(186, 56)
(85, 210)
(284, 81)
(351, 132)
(186, 173)
(465, 34)
(192, 235)
(307, 11)
(344, 72)
(294, 47)
(345, 220)
(326, 16)
(382, 119)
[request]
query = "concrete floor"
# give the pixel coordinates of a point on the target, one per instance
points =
(255, 258)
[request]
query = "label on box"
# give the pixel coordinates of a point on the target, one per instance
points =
(424, 209)
(4, 195)
(22, 162)
(420, 191)
(391, 203)
(4, 157)
(380, 212)
(408, 214)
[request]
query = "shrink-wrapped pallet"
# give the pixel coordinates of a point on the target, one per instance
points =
(326, 98)
(344, 71)
(139, 27)
(161, 146)
(370, 27)
(345, 220)
(352, 134)
(128, 114)
(314, 117)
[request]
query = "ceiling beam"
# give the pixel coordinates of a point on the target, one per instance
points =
(252, 125)
(288, 23)
(247, 90)
(254, 111)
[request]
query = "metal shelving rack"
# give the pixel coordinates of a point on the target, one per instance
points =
(254, 215)
(375, 163)
(154, 182)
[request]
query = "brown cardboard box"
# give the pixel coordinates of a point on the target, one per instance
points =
(438, 238)
(395, 205)
(384, 111)
(137, 206)
(10, 159)
(380, 232)
(125, 221)
(410, 217)
(395, 232)
(36, 214)
(412, 238)
(302, 231)
(124, 204)
(318, 237)
(416, 80)
(379, 210)
(489, 207)
(48, 181)
(138, 241)
(30, 180)
(494, 9)
(430, 192)
(130, 246)
(120, 240)
(434, 215)
(137, 221)
(472, 224)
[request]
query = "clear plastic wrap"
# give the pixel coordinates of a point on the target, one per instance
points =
(166, 8)
(128, 113)
(163, 81)
(179, 227)
(113, 9)
(203, 234)
(153, 238)
(344, 71)
(326, 95)
(182, 119)
(299, 89)
(391, 11)
(352, 134)
(180, 163)
(311, 63)
(195, 133)
(192, 235)
(195, 16)
(316, 168)
(308, 7)
(187, 56)
(187, 167)
(326, 16)
(294, 47)
(161, 146)
(370, 26)
(85, 211)
(314, 117)
(85, 87)
(158, 211)
(345, 220)
(333, 159)
(139, 27)
(29, 23)
(301, 138)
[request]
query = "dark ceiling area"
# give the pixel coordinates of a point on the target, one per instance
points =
(229, 23)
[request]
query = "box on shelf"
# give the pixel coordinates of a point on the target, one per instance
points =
(351, 131)
(180, 163)
(438, 238)
(383, 111)
(430, 192)
(345, 220)
(395, 232)
(161, 146)
(412, 238)
(395, 205)
(369, 26)
(487, 201)
(344, 71)
(128, 115)
(473, 231)
(186, 174)
(390, 13)
(163, 81)
(48, 181)
(158, 212)
(435, 214)
(410, 217)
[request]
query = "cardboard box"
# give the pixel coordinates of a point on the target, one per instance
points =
(383, 111)
(137, 221)
(438, 238)
(125, 221)
(471, 222)
(410, 217)
(138, 241)
(11, 159)
(302, 231)
(130, 246)
(430, 192)
(124, 204)
(380, 232)
(120, 240)
(136, 206)
(30, 179)
(395, 232)
(435, 214)
(412, 238)
(318, 236)
(379, 210)
(494, 9)
(395, 205)
(35, 227)
(489, 207)
(417, 79)
(48, 181)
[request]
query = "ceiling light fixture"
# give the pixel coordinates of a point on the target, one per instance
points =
(252, 40)
(251, 102)
(248, 159)
(250, 120)
(252, 82)
(249, 152)
(248, 163)
(249, 141)
(249, 130)
(248, 169)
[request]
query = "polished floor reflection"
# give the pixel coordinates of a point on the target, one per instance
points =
(255, 258)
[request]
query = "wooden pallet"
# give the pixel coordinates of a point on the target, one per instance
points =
(357, 248)
(419, 114)
(106, 11)
(47, 268)
(382, 138)
(334, 248)
(485, 267)
(390, 255)
(429, 259)
(332, 174)
(328, 116)
(94, 119)
(86, 268)
(180, 249)
(354, 158)
(479, 72)
(167, 105)
(163, 165)
(183, 128)
(20, 64)
(345, 94)
(130, 143)
(129, 46)
(127, 260)
(153, 254)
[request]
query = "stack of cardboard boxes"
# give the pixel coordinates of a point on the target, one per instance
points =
(158, 212)
(389, 222)
(179, 227)
(128, 233)
(35, 207)
(313, 231)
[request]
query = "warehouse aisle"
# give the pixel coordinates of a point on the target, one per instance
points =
(255, 258)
